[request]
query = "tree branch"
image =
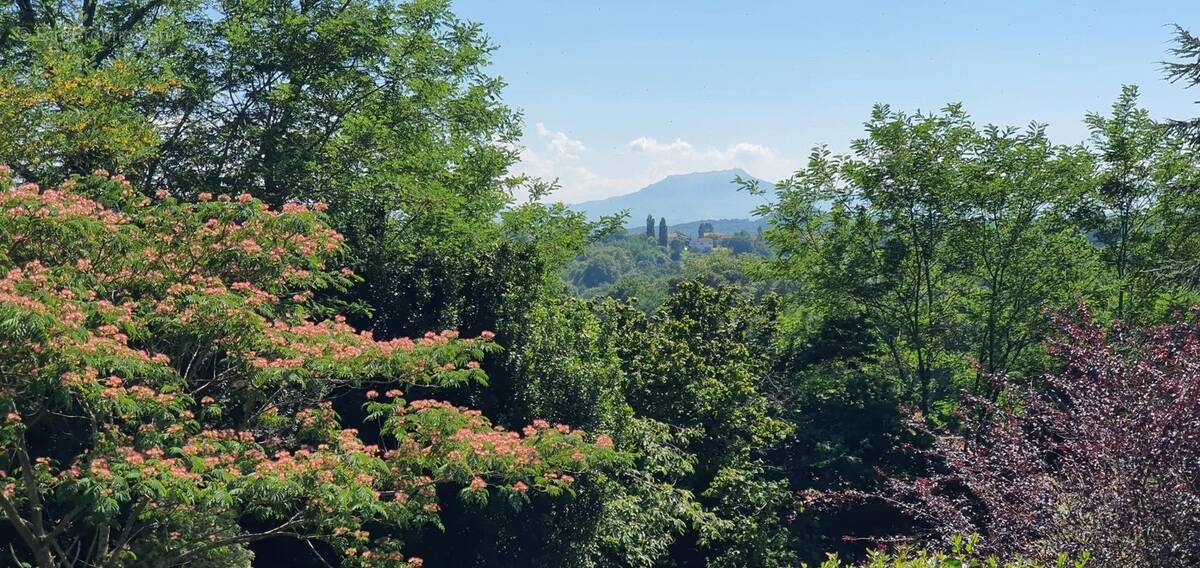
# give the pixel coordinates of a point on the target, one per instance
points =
(281, 530)
(27, 16)
(135, 18)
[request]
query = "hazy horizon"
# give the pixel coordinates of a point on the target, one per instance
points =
(620, 95)
(732, 170)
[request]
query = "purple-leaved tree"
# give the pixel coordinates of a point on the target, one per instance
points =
(1101, 454)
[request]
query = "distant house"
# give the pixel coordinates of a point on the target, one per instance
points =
(676, 236)
(703, 244)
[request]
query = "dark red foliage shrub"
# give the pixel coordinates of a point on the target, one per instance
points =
(1101, 454)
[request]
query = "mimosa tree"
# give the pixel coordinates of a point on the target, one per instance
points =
(165, 386)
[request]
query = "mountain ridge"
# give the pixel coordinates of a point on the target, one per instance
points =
(682, 198)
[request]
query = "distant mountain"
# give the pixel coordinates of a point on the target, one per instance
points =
(682, 199)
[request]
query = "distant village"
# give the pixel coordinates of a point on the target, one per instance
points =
(704, 240)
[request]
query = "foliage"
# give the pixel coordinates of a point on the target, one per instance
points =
(185, 381)
(600, 267)
(722, 268)
(379, 108)
(677, 247)
(1141, 167)
(1186, 70)
(165, 371)
(743, 243)
(62, 113)
(930, 235)
(1098, 456)
(961, 555)
(377, 88)
(632, 268)
(832, 385)
(679, 391)
(696, 364)
(746, 529)
(625, 268)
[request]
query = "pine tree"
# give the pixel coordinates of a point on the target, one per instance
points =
(1186, 70)
(649, 226)
(662, 231)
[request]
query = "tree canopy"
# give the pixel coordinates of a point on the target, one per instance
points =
(273, 291)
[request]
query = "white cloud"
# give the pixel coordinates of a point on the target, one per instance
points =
(652, 146)
(747, 150)
(682, 149)
(561, 145)
(682, 156)
(552, 154)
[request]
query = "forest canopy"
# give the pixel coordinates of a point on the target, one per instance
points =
(274, 292)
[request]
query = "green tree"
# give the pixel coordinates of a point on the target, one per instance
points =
(739, 243)
(381, 109)
(932, 237)
(645, 281)
(602, 266)
(167, 381)
(574, 374)
(649, 226)
(61, 111)
(697, 364)
(1180, 214)
(643, 291)
(883, 248)
(286, 100)
(1018, 245)
(679, 390)
(1140, 168)
(750, 275)
(677, 246)
(662, 232)
(1186, 70)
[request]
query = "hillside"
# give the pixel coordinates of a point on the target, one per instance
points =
(729, 226)
(682, 199)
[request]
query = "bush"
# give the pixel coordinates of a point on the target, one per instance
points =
(1101, 455)
(962, 555)
(165, 387)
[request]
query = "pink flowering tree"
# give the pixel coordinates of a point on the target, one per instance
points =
(164, 377)
(1100, 456)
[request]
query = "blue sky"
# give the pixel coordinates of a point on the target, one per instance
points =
(617, 94)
